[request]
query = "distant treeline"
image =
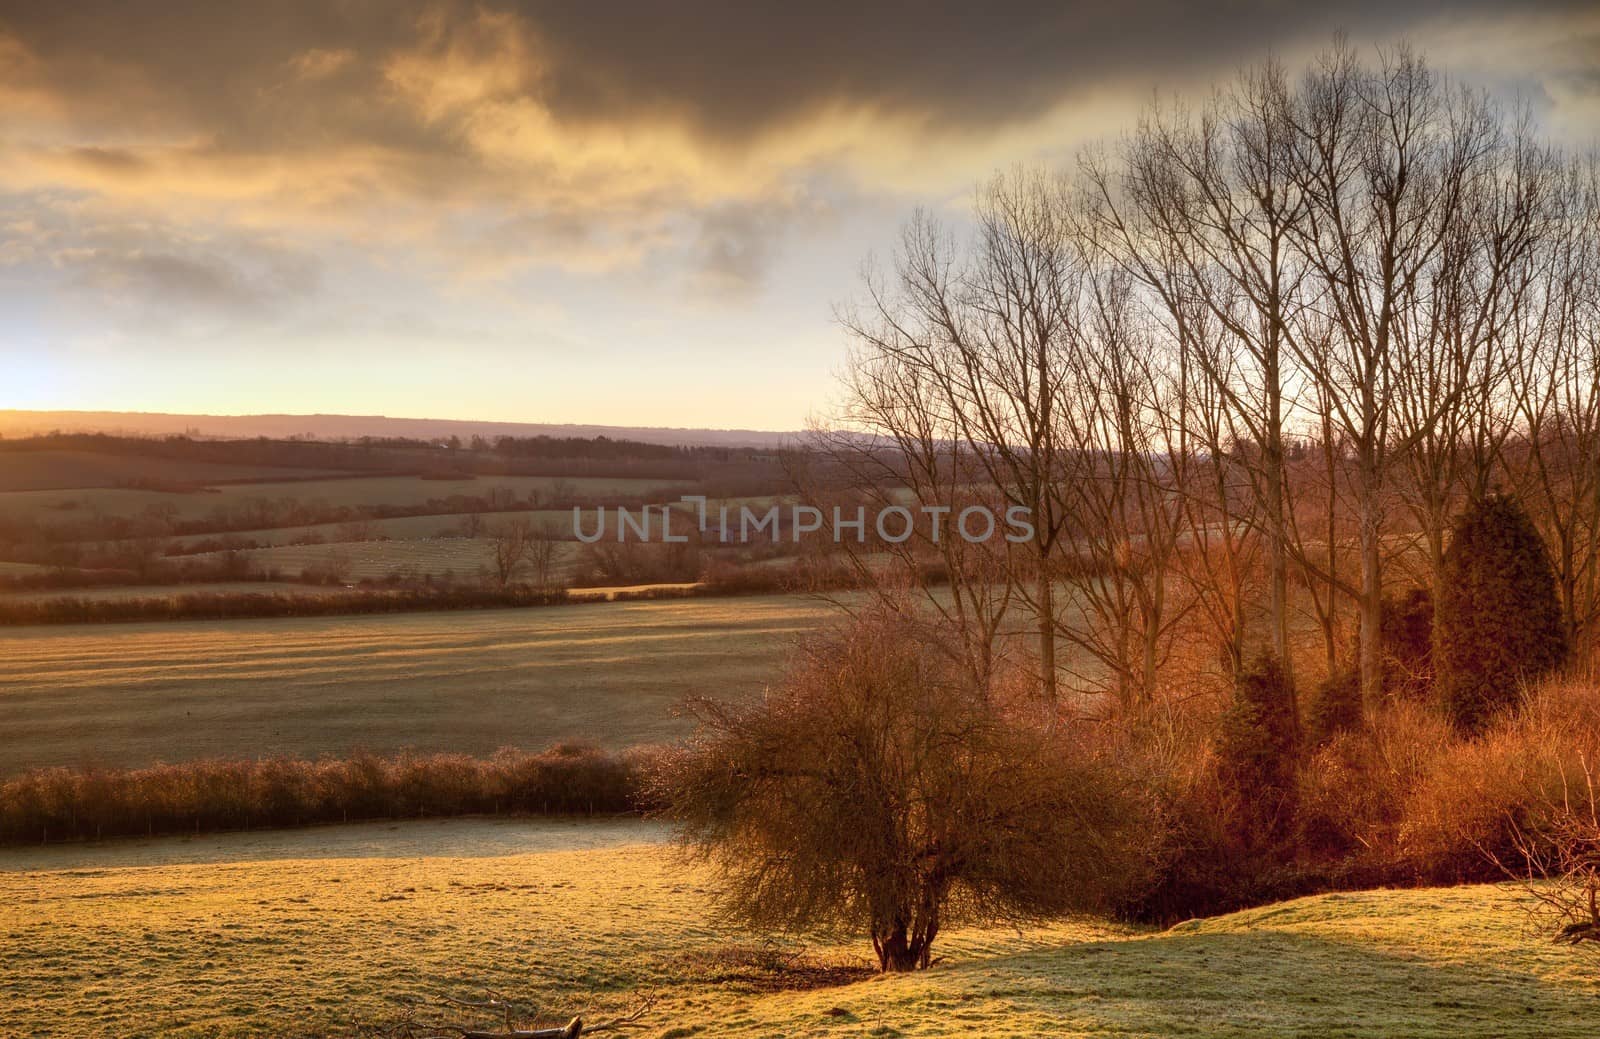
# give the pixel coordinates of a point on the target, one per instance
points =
(373, 598)
(289, 454)
(61, 804)
(502, 456)
(241, 605)
(715, 578)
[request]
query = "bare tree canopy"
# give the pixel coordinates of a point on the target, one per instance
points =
(876, 790)
(1292, 331)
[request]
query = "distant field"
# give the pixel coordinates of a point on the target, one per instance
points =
(408, 528)
(57, 470)
(471, 681)
(249, 946)
(367, 490)
(461, 557)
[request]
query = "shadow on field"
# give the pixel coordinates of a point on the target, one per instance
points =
(1274, 983)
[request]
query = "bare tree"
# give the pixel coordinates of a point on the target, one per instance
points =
(1382, 156)
(1555, 385)
(1206, 214)
(903, 459)
(511, 540)
(875, 790)
(1451, 404)
(977, 337)
(1118, 414)
(543, 554)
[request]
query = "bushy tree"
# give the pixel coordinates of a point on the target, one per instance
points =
(875, 790)
(1257, 751)
(1498, 622)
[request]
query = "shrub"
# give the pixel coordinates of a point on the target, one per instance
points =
(1352, 790)
(875, 790)
(1471, 810)
(1499, 617)
(58, 804)
(1257, 750)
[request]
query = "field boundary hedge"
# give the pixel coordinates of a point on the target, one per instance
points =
(53, 805)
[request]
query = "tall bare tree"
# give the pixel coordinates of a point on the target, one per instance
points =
(1554, 459)
(978, 335)
(1207, 209)
(1451, 402)
(1382, 156)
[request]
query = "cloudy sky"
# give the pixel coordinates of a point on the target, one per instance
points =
(628, 213)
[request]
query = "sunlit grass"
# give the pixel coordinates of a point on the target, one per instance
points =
(273, 945)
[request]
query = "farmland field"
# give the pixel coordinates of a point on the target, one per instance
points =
(468, 681)
(374, 560)
(404, 528)
(249, 940)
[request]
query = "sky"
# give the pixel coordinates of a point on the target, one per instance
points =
(631, 213)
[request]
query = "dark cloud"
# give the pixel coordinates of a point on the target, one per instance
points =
(286, 74)
(592, 136)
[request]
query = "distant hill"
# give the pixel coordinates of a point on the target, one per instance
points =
(14, 423)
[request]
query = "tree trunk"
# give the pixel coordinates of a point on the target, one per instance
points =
(1371, 600)
(1278, 556)
(1047, 632)
(1277, 526)
(899, 950)
(1151, 637)
(903, 946)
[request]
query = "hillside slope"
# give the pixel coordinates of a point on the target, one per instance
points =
(269, 945)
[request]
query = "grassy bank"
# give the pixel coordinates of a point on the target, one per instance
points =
(248, 948)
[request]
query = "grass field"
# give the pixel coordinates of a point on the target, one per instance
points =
(469, 681)
(462, 558)
(406, 528)
(251, 941)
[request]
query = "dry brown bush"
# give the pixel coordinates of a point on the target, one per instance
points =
(876, 790)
